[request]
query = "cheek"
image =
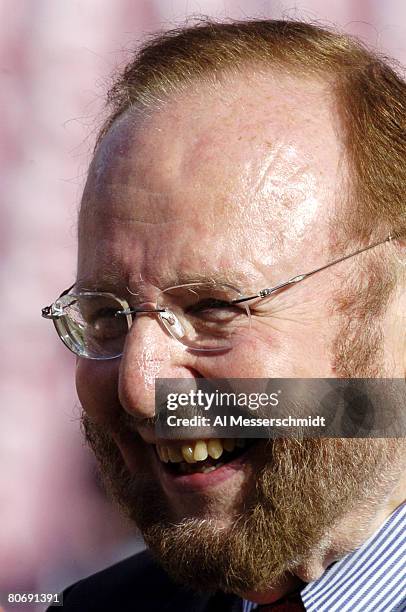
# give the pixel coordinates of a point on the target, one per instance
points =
(96, 385)
(268, 354)
(250, 359)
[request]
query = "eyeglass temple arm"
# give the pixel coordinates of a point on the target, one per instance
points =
(129, 311)
(300, 277)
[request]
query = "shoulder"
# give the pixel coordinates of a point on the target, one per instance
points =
(137, 583)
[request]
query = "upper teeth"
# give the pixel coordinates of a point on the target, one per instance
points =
(197, 450)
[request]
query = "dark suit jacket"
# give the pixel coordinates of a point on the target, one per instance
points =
(138, 584)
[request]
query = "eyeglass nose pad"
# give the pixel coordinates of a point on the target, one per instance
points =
(172, 323)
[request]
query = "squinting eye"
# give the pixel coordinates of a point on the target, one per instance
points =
(209, 303)
(92, 316)
(214, 310)
(104, 324)
(107, 312)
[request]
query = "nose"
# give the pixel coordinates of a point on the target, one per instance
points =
(150, 353)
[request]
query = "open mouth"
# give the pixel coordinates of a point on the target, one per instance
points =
(201, 456)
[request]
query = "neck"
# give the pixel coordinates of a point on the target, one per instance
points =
(351, 532)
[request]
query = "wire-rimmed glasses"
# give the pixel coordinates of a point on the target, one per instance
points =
(203, 316)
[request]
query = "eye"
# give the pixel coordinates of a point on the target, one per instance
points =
(102, 323)
(208, 303)
(215, 310)
(103, 313)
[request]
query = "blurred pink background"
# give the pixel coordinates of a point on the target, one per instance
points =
(56, 59)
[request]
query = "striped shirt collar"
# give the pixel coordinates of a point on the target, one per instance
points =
(372, 578)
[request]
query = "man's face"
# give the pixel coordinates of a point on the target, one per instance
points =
(240, 183)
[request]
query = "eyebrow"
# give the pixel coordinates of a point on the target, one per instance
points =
(108, 281)
(112, 280)
(201, 277)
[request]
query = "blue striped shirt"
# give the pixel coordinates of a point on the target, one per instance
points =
(370, 579)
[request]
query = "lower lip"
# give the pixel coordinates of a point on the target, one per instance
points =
(189, 483)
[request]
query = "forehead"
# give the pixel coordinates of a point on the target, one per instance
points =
(245, 169)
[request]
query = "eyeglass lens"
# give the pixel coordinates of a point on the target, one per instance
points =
(89, 326)
(205, 317)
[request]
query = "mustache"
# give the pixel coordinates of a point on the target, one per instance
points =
(122, 423)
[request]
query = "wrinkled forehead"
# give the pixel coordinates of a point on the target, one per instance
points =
(248, 162)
